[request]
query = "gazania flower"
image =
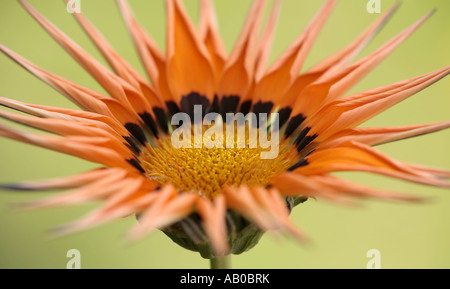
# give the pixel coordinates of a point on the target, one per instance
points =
(219, 200)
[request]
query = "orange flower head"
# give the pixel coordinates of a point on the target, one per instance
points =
(216, 193)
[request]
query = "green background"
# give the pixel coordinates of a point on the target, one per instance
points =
(407, 235)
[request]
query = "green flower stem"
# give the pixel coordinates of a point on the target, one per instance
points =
(222, 262)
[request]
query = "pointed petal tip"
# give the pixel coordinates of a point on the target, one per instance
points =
(16, 187)
(137, 233)
(62, 230)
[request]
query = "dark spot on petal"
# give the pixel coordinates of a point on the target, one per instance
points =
(302, 135)
(149, 122)
(161, 118)
(131, 144)
(294, 123)
(306, 141)
(215, 104)
(137, 132)
(245, 107)
(229, 104)
(172, 108)
(299, 164)
(284, 113)
(136, 164)
(262, 107)
(189, 101)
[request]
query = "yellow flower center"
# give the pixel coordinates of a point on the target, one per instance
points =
(207, 170)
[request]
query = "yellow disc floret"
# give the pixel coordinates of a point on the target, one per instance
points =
(207, 170)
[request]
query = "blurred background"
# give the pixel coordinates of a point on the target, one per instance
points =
(406, 235)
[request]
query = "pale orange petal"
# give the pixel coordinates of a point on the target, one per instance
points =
(91, 149)
(353, 110)
(286, 69)
(189, 68)
(336, 61)
(239, 69)
(353, 156)
(213, 214)
(380, 135)
(337, 83)
(265, 46)
(209, 33)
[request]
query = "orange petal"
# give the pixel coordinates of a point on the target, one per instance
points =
(358, 157)
(266, 43)
(98, 190)
(151, 56)
(106, 78)
(61, 183)
(353, 110)
(189, 69)
(271, 201)
(239, 69)
(120, 66)
(344, 187)
(213, 214)
(84, 98)
(346, 55)
(169, 208)
(337, 83)
(101, 121)
(126, 201)
(59, 126)
(297, 185)
(210, 35)
(337, 60)
(92, 149)
(286, 69)
(241, 200)
(438, 172)
(380, 135)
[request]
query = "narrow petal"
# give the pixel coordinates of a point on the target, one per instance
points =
(213, 214)
(380, 135)
(98, 120)
(358, 157)
(438, 172)
(271, 201)
(169, 208)
(61, 183)
(241, 200)
(266, 208)
(92, 149)
(352, 111)
(286, 69)
(106, 78)
(59, 126)
(332, 189)
(128, 102)
(351, 189)
(209, 33)
(297, 185)
(337, 60)
(345, 56)
(239, 69)
(152, 57)
(337, 83)
(121, 67)
(100, 189)
(265, 46)
(189, 68)
(174, 211)
(125, 201)
(83, 97)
